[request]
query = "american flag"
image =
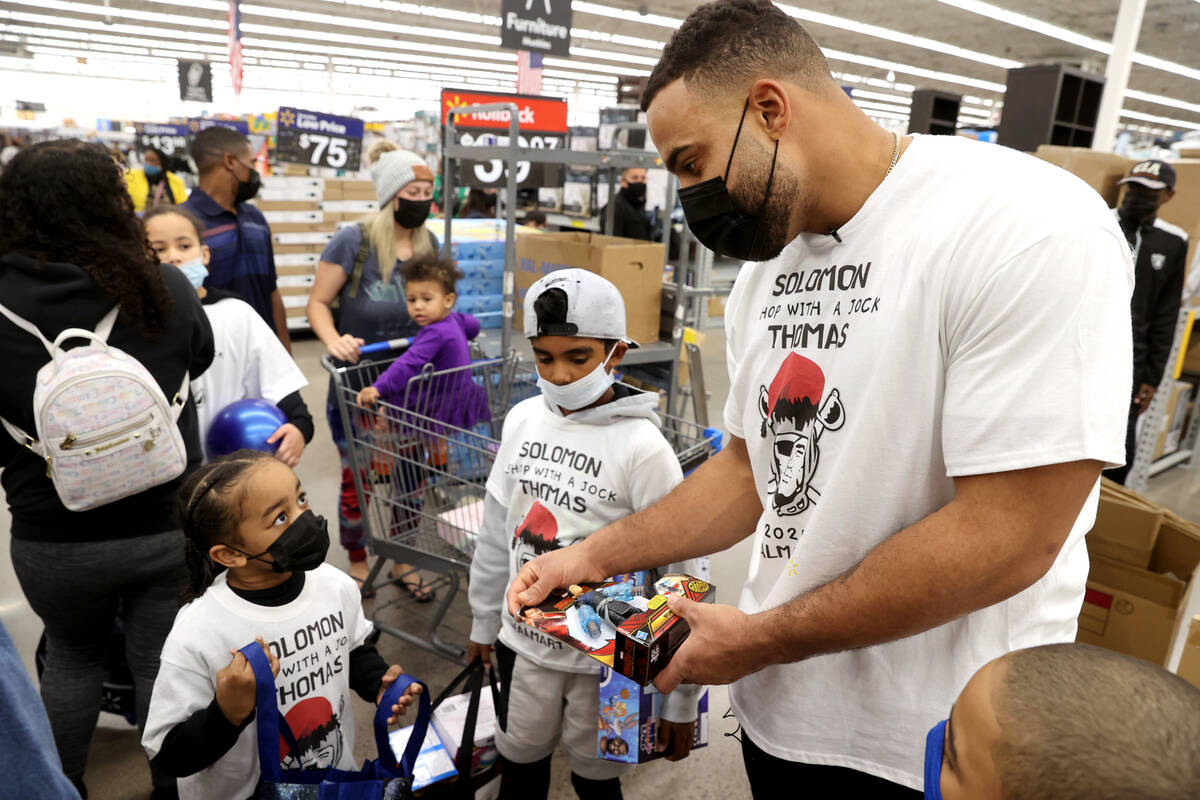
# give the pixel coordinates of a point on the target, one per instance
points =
(529, 72)
(235, 46)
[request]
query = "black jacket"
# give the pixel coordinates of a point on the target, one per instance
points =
(59, 296)
(629, 220)
(1161, 252)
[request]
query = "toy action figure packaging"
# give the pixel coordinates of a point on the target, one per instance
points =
(621, 624)
(629, 716)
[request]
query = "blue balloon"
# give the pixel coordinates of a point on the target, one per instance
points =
(244, 425)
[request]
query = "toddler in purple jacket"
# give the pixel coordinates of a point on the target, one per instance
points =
(452, 398)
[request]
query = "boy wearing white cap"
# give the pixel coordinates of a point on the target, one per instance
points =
(585, 453)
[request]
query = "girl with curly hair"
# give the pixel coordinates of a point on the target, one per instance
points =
(70, 249)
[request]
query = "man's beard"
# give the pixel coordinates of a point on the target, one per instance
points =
(753, 173)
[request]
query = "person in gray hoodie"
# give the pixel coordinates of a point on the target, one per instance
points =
(581, 455)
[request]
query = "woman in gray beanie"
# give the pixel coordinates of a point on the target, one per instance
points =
(360, 269)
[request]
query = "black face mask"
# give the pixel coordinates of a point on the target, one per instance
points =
(300, 548)
(411, 214)
(635, 193)
(718, 223)
(247, 190)
(1137, 206)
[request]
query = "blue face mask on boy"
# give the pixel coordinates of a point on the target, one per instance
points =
(934, 742)
(152, 171)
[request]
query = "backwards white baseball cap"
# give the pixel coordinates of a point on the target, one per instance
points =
(595, 309)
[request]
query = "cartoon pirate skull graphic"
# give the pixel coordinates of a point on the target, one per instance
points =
(794, 417)
(537, 534)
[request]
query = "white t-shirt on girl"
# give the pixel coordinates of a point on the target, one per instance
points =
(973, 319)
(312, 637)
(248, 361)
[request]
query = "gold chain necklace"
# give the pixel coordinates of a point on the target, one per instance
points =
(895, 155)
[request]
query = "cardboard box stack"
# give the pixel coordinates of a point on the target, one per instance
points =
(635, 268)
(1144, 566)
(304, 212)
(292, 206)
(1189, 664)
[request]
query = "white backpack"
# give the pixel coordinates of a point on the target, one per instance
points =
(104, 426)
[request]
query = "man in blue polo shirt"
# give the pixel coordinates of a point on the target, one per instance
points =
(239, 240)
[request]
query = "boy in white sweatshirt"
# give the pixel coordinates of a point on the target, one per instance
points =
(580, 456)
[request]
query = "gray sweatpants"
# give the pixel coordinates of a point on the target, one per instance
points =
(74, 587)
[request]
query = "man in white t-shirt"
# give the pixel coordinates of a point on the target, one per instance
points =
(929, 357)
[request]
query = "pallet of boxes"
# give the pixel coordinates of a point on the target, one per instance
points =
(1141, 592)
(304, 213)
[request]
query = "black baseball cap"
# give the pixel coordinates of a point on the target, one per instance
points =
(1152, 174)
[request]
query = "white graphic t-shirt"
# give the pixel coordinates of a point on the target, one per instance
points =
(973, 319)
(561, 479)
(312, 637)
(248, 361)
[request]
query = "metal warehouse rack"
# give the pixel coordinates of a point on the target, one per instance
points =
(692, 279)
(1155, 419)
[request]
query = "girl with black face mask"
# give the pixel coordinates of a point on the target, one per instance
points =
(360, 271)
(255, 554)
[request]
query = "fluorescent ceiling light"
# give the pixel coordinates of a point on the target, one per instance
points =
(1065, 35)
(887, 98)
(1146, 97)
(124, 13)
(842, 23)
(616, 38)
(78, 37)
(1176, 123)
(97, 25)
(920, 72)
(1030, 24)
(612, 55)
(371, 41)
(564, 63)
(877, 82)
(625, 14)
(868, 104)
(557, 73)
(421, 31)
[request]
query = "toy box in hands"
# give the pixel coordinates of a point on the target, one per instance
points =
(629, 716)
(618, 625)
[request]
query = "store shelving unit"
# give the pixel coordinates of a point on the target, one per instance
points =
(934, 111)
(1155, 418)
(1050, 104)
(610, 161)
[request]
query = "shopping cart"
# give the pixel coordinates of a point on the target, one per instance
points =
(420, 470)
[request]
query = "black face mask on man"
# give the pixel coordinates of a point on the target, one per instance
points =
(247, 189)
(635, 193)
(1138, 205)
(411, 214)
(301, 547)
(719, 224)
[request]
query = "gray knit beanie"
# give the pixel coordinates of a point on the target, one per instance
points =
(392, 171)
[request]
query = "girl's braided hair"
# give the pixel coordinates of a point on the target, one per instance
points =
(210, 511)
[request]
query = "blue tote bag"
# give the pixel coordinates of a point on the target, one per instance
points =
(382, 779)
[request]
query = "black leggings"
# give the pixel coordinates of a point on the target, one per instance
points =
(768, 773)
(74, 587)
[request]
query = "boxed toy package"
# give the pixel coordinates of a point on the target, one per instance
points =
(623, 624)
(629, 716)
(450, 718)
